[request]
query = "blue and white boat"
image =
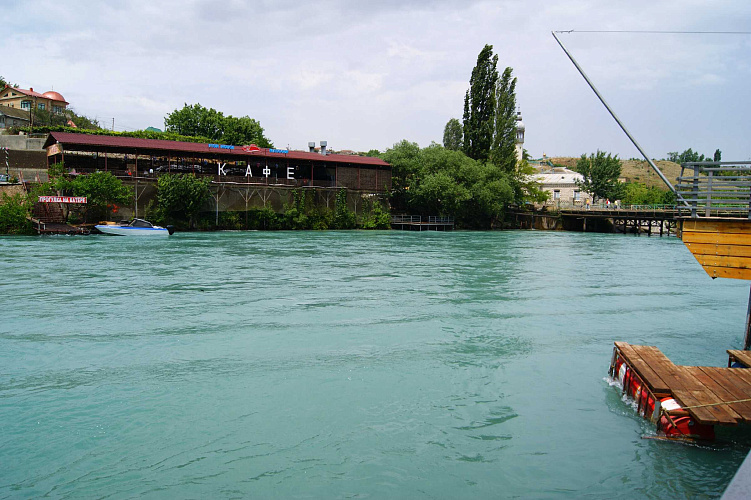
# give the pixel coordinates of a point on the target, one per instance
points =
(136, 227)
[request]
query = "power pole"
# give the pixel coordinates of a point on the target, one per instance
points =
(7, 165)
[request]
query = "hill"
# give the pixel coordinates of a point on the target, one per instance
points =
(635, 170)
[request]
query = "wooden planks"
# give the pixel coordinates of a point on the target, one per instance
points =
(712, 395)
(743, 357)
(721, 246)
(644, 368)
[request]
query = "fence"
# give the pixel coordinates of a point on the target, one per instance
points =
(715, 189)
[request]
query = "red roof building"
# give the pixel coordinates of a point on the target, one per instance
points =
(128, 156)
(29, 99)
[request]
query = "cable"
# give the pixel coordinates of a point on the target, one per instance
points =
(661, 32)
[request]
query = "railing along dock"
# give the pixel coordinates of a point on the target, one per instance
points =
(715, 189)
(419, 222)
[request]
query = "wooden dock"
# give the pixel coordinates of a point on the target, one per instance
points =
(420, 223)
(710, 395)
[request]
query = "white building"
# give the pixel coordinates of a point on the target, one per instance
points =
(561, 183)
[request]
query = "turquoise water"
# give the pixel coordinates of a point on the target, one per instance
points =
(349, 364)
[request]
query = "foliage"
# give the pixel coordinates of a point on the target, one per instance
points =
(373, 153)
(103, 191)
(601, 174)
(5, 83)
(139, 134)
(439, 181)
(637, 193)
(479, 106)
(503, 151)
(180, 198)
(690, 155)
(343, 218)
(376, 217)
(14, 214)
(526, 189)
(453, 135)
(196, 120)
(45, 118)
(295, 214)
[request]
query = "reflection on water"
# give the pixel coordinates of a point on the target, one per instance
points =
(339, 364)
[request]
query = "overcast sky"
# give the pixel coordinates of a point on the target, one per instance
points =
(366, 74)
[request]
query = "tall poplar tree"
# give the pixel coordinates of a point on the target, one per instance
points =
(479, 106)
(503, 151)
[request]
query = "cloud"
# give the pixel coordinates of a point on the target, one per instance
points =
(368, 74)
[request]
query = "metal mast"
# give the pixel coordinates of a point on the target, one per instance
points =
(618, 121)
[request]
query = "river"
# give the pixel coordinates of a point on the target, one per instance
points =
(350, 364)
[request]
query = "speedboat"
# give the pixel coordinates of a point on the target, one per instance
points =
(136, 227)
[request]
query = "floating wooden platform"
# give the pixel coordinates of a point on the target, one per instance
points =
(711, 395)
(58, 228)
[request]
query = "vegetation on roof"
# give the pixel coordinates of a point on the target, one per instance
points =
(137, 134)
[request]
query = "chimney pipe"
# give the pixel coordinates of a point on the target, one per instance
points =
(323, 147)
(312, 147)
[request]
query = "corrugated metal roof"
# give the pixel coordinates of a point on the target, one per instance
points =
(143, 145)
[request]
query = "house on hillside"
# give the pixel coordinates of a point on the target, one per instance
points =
(12, 117)
(27, 100)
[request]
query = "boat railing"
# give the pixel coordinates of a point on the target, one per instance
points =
(715, 189)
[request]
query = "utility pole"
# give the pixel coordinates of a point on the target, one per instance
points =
(7, 165)
(113, 124)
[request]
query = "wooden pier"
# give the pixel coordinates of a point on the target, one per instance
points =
(710, 395)
(420, 223)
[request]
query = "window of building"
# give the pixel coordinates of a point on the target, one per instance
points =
(57, 110)
(577, 195)
(557, 194)
(25, 104)
(2, 121)
(41, 105)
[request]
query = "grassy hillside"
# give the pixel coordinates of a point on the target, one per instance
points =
(635, 170)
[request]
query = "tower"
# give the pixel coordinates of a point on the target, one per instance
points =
(519, 136)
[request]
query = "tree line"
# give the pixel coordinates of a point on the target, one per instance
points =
(475, 175)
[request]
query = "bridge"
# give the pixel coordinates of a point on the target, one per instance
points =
(635, 219)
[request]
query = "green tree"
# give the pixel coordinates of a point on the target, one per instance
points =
(14, 214)
(344, 218)
(244, 130)
(180, 197)
(102, 190)
(688, 155)
(503, 151)
(453, 135)
(480, 106)
(637, 193)
(601, 174)
(405, 168)
(5, 83)
(196, 120)
(439, 181)
(717, 155)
